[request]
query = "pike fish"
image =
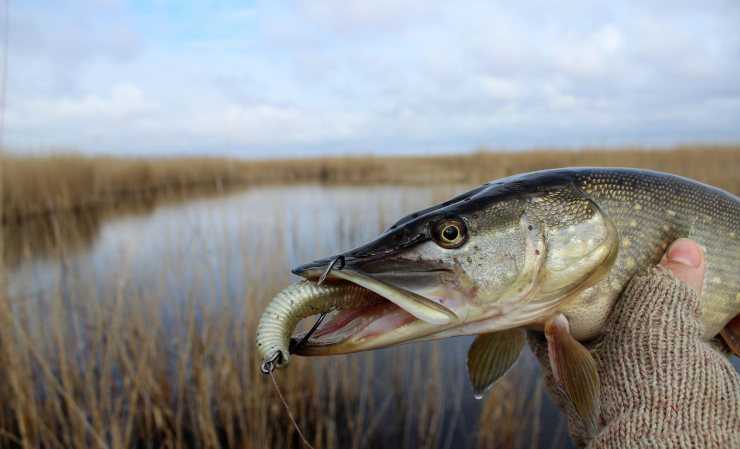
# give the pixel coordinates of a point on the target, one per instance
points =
(547, 251)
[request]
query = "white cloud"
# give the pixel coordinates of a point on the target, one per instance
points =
(373, 17)
(331, 76)
(125, 101)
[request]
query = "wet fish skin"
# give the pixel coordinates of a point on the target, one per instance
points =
(650, 210)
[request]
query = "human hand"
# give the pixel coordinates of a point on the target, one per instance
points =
(661, 385)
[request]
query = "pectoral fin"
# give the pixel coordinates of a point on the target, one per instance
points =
(731, 335)
(575, 370)
(491, 356)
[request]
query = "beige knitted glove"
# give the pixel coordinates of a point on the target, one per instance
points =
(661, 385)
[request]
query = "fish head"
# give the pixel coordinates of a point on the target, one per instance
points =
(493, 258)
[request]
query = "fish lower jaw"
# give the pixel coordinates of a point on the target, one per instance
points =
(360, 329)
(506, 318)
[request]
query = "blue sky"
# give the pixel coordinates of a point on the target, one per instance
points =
(275, 79)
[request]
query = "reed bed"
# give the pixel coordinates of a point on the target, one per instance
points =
(33, 186)
(166, 358)
(154, 347)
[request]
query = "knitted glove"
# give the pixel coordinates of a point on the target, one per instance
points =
(661, 385)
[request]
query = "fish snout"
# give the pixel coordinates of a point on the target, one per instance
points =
(321, 268)
(313, 269)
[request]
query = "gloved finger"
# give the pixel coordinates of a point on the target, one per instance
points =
(685, 259)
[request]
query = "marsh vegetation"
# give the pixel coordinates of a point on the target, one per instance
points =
(43, 185)
(129, 307)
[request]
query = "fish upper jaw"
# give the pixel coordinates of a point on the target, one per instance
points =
(403, 282)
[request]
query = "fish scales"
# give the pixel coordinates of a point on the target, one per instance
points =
(650, 210)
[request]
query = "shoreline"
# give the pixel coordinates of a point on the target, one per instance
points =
(44, 186)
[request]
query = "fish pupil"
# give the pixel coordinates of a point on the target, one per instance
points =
(450, 233)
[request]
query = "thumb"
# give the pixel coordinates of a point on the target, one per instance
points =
(685, 259)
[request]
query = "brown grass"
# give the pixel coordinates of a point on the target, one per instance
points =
(42, 185)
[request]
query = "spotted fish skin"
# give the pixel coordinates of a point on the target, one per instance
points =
(650, 210)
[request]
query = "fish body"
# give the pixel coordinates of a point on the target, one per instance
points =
(548, 250)
(548, 242)
(649, 210)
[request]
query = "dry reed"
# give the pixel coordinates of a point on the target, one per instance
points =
(85, 363)
(43, 185)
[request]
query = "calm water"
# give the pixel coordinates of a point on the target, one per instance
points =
(222, 250)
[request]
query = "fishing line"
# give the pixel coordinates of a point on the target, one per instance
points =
(287, 409)
(268, 366)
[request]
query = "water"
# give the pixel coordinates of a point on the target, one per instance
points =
(221, 250)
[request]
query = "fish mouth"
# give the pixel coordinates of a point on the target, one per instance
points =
(401, 316)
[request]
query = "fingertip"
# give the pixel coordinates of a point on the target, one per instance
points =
(686, 252)
(685, 259)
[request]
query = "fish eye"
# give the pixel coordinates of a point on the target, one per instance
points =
(450, 233)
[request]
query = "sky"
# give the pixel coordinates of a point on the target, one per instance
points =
(283, 79)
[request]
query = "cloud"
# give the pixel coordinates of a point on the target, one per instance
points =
(327, 76)
(124, 102)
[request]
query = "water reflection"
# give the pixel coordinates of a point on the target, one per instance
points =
(46, 237)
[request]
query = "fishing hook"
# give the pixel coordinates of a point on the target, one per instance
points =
(331, 267)
(268, 365)
(305, 338)
(315, 326)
